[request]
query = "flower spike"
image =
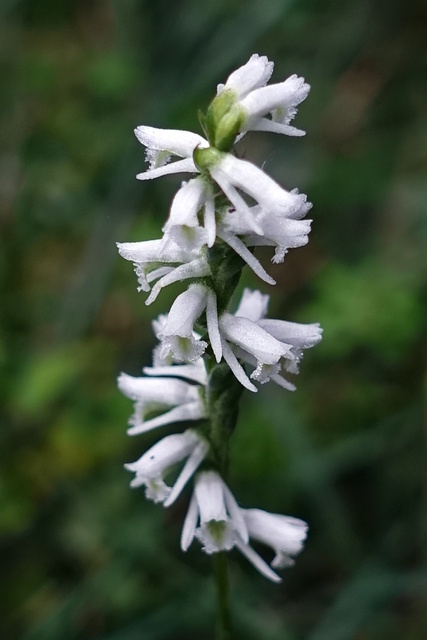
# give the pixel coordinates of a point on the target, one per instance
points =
(206, 355)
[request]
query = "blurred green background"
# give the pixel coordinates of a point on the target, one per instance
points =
(83, 557)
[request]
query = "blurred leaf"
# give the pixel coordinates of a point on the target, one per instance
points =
(368, 306)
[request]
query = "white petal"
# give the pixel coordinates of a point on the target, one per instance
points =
(253, 305)
(210, 497)
(187, 307)
(264, 372)
(216, 536)
(190, 411)
(299, 335)
(243, 211)
(283, 533)
(155, 489)
(180, 166)
(252, 338)
(183, 349)
(253, 181)
(264, 124)
(146, 251)
(255, 73)
(160, 272)
(197, 268)
(235, 514)
(195, 459)
(190, 239)
(258, 562)
(186, 204)
(241, 249)
(282, 95)
(282, 382)
(236, 367)
(158, 392)
(165, 453)
(212, 324)
(176, 141)
(190, 523)
(209, 221)
(282, 561)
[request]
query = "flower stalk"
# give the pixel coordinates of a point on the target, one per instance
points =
(220, 565)
(207, 353)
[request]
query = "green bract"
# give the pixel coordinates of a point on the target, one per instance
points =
(224, 120)
(205, 159)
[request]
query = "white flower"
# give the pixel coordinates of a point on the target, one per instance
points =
(231, 174)
(298, 336)
(266, 344)
(280, 102)
(155, 464)
(182, 226)
(177, 333)
(166, 264)
(273, 222)
(253, 101)
(177, 399)
(277, 231)
(162, 144)
(252, 344)
(213, 507)
(252, 75)
(286, 536)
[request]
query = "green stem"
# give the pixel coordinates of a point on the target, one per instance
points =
(223, 630)
(224, 393)
(223, 397)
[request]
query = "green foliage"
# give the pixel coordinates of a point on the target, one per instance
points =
(369, 306)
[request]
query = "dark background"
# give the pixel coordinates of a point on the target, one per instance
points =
(83, 557)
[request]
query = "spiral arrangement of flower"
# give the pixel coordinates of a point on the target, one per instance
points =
(206, 354)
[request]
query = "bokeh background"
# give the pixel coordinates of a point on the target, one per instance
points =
(83, 557)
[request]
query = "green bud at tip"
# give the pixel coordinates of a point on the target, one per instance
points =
(217, 109)
(223, 121)
(228, 128)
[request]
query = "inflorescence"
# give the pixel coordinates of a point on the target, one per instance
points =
(207, 354)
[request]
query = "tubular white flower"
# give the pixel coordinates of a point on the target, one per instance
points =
(161, 361)
(162, 144)
(182, 226)
(177, 399)
(265, 344)
(275, 231)
(252, 75)
(252, 344)
(197, 268)
(300, 336)
(177, 334)
(152, 467)
(263, 108)
(280, 101)
(286, 536)
(251, 338)
(221, 523)
(260, 213)
(151, 259)
(231, 173)
(273, 222)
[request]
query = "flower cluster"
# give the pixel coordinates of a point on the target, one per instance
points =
(217, 218)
